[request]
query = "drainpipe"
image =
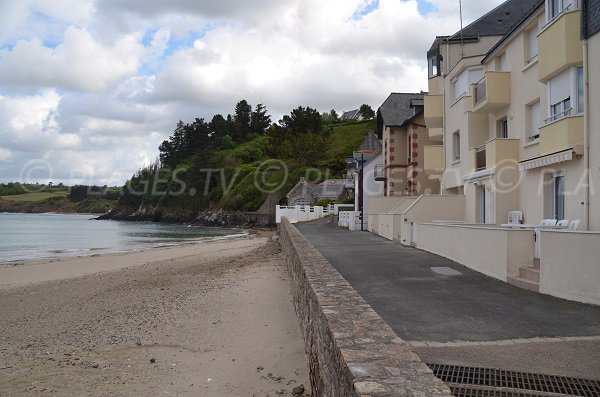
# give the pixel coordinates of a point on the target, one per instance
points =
(586, 131)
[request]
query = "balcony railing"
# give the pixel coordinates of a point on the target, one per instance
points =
(480, 162)
(480, 91)
(558, 116)
(380, 172)
(491, 93)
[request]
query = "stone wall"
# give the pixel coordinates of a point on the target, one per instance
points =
(351, 350)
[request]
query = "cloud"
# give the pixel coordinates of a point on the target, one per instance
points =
(79, 63)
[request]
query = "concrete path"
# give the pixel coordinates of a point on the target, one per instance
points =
(451, 314)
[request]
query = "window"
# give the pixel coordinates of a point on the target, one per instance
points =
(555, 7)
(481, 192)
(433, 66)
(456, 145)
(531, 44)
(560, 109)
(533, 115)
(558, 197)
(580, 107)
(502, 128)
(461, 84)
(560, 96)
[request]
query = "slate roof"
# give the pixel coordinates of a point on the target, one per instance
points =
(330, 188)
(509, 34)
(398, 109)
(499, 21)
(351, 115)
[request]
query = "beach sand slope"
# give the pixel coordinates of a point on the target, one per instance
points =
(184, 326)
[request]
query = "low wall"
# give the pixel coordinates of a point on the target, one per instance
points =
(569, 265)
(426, 209)
(495, 252)
(351, 350)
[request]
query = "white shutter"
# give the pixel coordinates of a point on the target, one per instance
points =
(475, 75)
(460, 85)
(560, 87)
(533, 43)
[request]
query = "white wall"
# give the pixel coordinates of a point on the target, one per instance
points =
(570, 265)
(372, 188)
(494, 252)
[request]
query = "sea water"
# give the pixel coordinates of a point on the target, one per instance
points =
(28, 237)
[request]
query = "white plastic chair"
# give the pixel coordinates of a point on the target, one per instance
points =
(548, 222)
(515, 216)
(563, 223)
(574, 225)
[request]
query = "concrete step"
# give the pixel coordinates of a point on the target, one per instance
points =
(524, 283)
(530, 273)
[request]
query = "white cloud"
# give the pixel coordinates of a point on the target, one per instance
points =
(78, 63)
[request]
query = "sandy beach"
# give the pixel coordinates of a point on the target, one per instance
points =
(211, 319)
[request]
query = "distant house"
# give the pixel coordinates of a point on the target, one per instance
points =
(401, 127)
(352, 115)
(307, 193)
(370, 155)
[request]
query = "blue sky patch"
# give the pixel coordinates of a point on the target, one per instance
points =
(425, 7)
(366, 10)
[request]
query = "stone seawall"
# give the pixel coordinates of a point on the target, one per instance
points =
(351, 350)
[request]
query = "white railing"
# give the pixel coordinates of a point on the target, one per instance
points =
(300, 213)
(351, 220)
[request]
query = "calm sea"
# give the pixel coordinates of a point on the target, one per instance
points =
(26, 237)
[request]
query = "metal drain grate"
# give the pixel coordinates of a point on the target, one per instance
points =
(472, 392)
(498, 378)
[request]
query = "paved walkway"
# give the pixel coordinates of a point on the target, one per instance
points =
(492, 321)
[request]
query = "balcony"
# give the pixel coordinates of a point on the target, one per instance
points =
(559, 45)
(434, 111)
(492, 92)
(561, 134)
(380, 173)
(433, 158)
(493, 153)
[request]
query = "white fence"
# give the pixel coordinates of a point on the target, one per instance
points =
(301, 213)
(351, 220)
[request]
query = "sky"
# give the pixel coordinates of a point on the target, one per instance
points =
(90, 88)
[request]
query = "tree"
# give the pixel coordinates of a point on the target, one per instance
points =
(241, 118)
(334, 115)
(302, 120)
(367, 112)
(259, 119)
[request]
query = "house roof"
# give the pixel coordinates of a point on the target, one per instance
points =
(524, 19)
(499, 21)
(399, 108)
(370, 144)
(330, 188)
(352, 114)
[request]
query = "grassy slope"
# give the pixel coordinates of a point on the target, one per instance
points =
(34, 197)
(347, 138)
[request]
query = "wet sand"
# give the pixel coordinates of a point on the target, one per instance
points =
(214, 319)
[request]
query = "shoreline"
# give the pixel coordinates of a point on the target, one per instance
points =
(14, 275)
(94, 252)
(209, 319)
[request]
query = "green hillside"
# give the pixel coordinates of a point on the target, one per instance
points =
(232, 163)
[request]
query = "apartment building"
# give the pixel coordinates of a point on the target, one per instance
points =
(512, 119)
(404, 136)
(590, 31)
